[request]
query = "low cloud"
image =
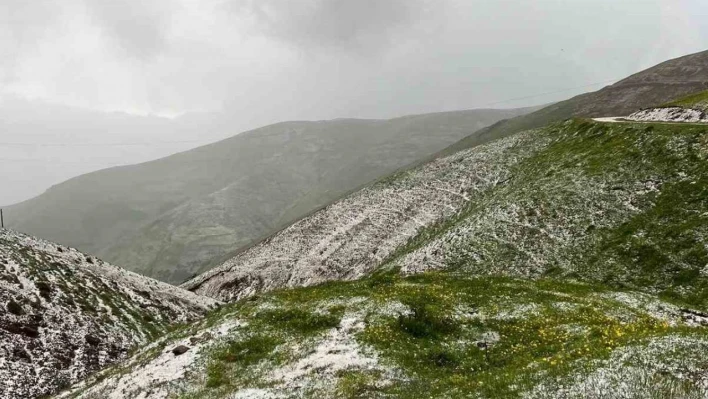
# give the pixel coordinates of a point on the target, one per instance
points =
(360, 26)
(136, 27)
(269, 60)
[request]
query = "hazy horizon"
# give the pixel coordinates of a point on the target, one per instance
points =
(230, 66)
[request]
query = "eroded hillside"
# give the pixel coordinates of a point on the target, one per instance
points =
(574, 199)
(66, 315)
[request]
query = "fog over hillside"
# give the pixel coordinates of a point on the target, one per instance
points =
(176, 216)
(263, 62)
(43, 144)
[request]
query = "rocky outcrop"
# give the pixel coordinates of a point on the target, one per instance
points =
(65, 315)
(669, 114)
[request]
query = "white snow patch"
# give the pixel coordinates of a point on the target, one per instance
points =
(669, 114)
(646, 303)
(254, 393)
(153, 379)
(517, 312)
(337, 351)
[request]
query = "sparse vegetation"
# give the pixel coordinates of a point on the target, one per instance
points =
(696, 101)
(447, 333)
(248, 351)
(577, 270)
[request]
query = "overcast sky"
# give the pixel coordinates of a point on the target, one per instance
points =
(263, 61)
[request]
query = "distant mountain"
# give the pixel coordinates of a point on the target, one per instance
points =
(43, 144)
(660, 84)
(65, 315)
(170, 218)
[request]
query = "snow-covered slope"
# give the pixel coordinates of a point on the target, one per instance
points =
(351, 237)
(690, 109)
(171, 218)
(669, 114)
(65, 314)
(537, 202)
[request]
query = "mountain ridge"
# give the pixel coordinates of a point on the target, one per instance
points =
(662, 83)
(201, 204)
(567, 260)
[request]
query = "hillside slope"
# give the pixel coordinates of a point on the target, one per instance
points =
(66, 315)
(688, 109)
(44, 144)
(169, 218)
(660, 84)
(563, 262)
(544, 201)
(355, 235)
(447, 335)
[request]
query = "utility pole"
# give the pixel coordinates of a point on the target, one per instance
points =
(2, 220)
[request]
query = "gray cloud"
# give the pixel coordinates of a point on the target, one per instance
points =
(264, 61)
(361, 25)
(137, 27)
(22, 25)
(269, 60)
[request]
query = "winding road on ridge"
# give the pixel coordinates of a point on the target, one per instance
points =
(611, 119)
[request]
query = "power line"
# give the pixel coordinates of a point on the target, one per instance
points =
(552, 92)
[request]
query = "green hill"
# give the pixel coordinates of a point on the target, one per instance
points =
(171, 218)
(573, 266)
(449, 335)
(668, 81)
(697, 101)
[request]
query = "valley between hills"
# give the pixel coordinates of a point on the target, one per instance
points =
(550, 255)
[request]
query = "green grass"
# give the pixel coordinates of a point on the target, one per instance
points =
(536, 331)
(696, 101)
(433, 345)
(653, 241)
(299, 320)
(239, 353)
(428, 344)
(248, 351)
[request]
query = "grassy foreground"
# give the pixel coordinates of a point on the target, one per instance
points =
(444, 334)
